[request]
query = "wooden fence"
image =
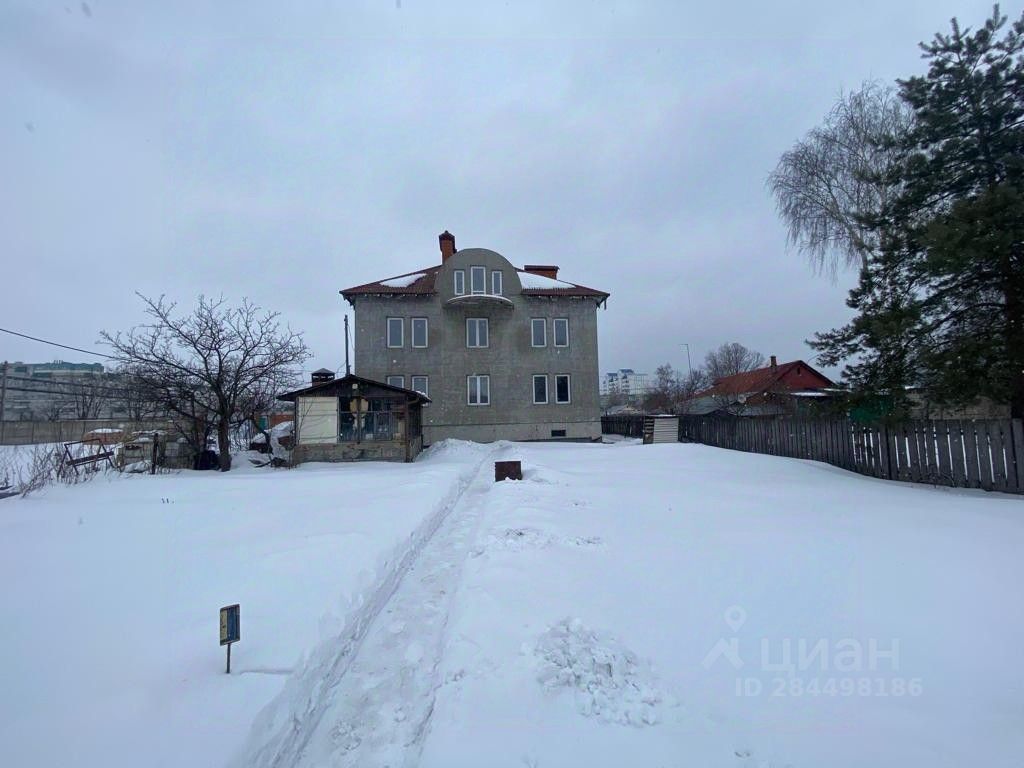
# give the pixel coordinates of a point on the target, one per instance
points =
(33, 432)
(986, 454)
(630, 425)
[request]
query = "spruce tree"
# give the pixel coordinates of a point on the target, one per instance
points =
(942, 305)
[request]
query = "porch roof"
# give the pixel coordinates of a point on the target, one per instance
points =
(345, 384)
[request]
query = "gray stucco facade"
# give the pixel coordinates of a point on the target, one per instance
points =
(510, 360)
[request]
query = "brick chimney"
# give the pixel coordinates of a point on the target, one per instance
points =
(447, 241)
(544, 270)
(775, 363)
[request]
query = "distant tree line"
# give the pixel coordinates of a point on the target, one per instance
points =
(920, 187)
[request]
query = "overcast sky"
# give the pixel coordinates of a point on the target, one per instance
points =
(283, 151)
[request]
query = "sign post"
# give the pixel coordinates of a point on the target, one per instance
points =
(230, 629)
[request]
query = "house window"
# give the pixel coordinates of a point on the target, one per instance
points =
(496, 282)
(419, 331)
(420, 384)
(540, 389)
(460, 282)
(562, 388)
(476, 331)
(538, 332)
(560, 330)
(396, 331)
(477, 280)
(396, 381)
(478, 390)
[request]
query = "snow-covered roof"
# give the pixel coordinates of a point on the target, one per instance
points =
(539, 282)
(404, 281)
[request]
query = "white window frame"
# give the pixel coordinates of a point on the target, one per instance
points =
(568, 388)
(533, 336)
(401, 333)
(497, 282)
(487, 332)
(426, 384)
(460, 282)
(473, 387)
(533, 382)
(554, 331)
(401, 380)
(426, 332)
(478, 270)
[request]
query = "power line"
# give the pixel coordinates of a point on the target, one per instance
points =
(55, 344)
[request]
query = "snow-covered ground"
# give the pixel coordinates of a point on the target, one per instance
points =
(624, 604)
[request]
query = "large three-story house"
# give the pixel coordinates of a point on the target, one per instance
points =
(502, 352)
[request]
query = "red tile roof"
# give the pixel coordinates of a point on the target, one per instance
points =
(425, 286)
(768, 379)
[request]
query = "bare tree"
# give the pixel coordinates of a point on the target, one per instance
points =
(138, 401)
(663, 393)
(86, 398)
(730, 359)
(690, 385)
(834, 180)
(206, 365)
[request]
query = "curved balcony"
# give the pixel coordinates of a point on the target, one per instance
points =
(479, 301)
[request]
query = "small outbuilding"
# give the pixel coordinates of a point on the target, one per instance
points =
(356, 419)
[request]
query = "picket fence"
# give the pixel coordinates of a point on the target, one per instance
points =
(960, 453)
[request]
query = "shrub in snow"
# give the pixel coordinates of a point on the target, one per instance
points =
(608, 680)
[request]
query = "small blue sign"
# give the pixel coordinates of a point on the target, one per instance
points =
(230, 624)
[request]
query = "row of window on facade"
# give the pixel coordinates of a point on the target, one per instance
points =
(478, 388)
(478, 281)
(477, 332)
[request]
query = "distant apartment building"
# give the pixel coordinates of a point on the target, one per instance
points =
(624, 382)
(59, 390)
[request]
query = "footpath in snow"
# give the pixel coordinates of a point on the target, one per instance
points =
(367, 696)
(111, 591)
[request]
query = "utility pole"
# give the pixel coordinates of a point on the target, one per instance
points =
(3, 398)
(348, 368)
(688, 365)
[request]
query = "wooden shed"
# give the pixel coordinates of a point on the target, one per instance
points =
(356, 419)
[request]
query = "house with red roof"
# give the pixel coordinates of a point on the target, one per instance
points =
(502, 352)
(777, 389)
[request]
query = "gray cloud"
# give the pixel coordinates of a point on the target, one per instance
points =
(285, 153)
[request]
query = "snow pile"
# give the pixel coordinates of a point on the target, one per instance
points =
(519, 539)
(404, 281)
(539, 282)
(608, 680)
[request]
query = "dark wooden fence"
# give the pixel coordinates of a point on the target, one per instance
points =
(986, 454)
(631, 425)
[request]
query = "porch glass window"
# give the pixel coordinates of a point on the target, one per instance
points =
(369, 419)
